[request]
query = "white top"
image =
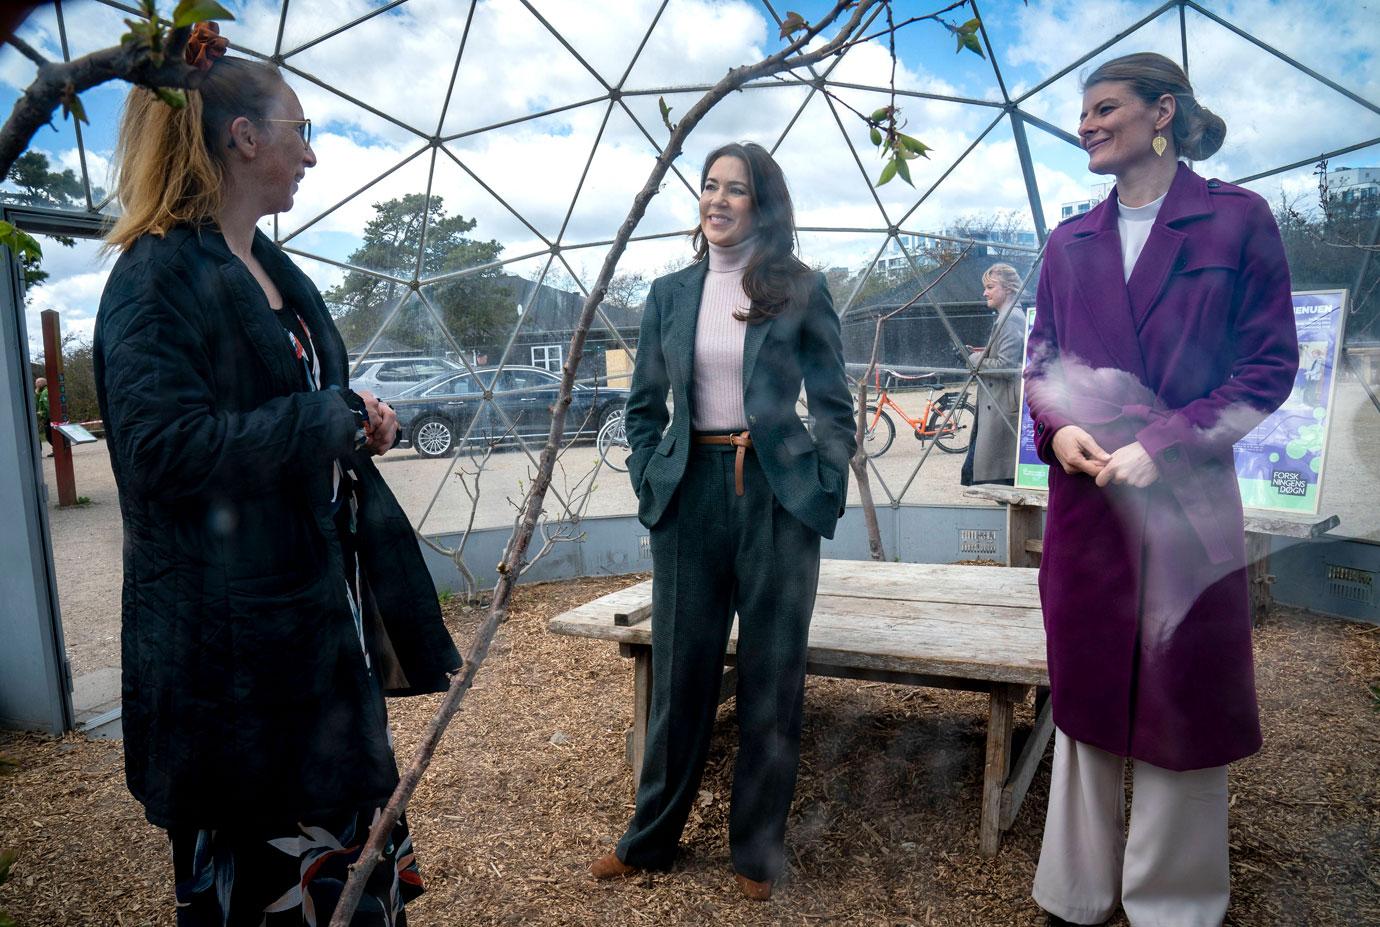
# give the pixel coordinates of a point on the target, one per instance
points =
(719, 337)
(1133, 225)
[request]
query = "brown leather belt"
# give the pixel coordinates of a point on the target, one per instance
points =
(741, 441)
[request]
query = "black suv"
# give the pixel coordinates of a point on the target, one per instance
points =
(435, 416)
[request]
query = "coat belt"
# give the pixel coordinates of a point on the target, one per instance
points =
(742, 441)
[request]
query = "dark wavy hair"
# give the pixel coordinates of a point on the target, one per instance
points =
(1198, 132)
(774, 278)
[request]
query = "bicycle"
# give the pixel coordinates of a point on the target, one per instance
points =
(612, 442)
(948, 420)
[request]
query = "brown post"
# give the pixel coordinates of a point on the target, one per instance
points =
(57, 407)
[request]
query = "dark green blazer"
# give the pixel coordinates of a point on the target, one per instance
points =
(808, 476)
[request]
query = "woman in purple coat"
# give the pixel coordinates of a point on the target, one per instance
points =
(1164, 332)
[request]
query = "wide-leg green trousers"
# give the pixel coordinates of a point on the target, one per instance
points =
(714, 553)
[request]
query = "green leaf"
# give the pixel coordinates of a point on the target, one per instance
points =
(915, 146)
(972, 43)
(903, 170)
(20, 242)
(875, 135)
(971, 26)
(172, 96)
(665, 114)
(882, 114)
(888, 172)
(189, 12)
(792, 24)
(71, 103)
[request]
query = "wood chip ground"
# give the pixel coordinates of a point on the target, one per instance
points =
(883, 830)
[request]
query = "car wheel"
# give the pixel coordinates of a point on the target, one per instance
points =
(433, 437)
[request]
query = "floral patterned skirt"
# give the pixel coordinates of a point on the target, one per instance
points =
(225, 879)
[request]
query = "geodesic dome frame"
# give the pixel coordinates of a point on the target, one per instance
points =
(601, 105)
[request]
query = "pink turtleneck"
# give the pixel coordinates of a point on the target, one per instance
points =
(718, 386)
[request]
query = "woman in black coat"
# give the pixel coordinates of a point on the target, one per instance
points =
(273, 587)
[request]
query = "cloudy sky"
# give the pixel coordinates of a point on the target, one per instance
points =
(399, 64)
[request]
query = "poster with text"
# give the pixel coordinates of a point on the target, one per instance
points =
(1279, 464)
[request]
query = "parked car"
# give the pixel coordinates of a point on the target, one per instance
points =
(435, 416)
(387, 377)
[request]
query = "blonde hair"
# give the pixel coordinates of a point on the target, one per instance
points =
(170, 163)
(1005, 276)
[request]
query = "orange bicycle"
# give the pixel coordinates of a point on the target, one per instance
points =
(947, 420)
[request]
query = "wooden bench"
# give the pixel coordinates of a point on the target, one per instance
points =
(1025, 536)
(973, 628)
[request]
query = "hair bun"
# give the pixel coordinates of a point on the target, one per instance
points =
(1205, 132)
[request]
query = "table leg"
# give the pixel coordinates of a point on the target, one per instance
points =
(999, 727)
(1022, 525)
(1023, 770)
(1258, 575)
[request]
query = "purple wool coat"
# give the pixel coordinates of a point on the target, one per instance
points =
(1144, 590)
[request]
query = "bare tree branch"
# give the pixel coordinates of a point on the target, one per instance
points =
(59, 81)
(28, 51)
(792, 56)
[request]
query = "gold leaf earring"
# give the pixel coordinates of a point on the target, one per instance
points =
(1159, 145)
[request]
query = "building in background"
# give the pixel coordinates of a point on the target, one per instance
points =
(1354, 184)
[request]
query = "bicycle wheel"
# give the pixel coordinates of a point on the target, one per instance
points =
(878, 437)
(612, 442)
(957, 428)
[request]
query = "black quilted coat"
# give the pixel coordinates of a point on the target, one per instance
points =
(247, 700)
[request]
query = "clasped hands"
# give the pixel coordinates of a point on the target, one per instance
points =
(381, 431)
(1078, 452)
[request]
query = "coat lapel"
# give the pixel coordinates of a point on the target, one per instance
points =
(249, 304)
(680, 327)
(752, 346)
(1187, 199)
(1095, 258)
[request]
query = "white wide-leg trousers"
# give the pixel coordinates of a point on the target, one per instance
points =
(1171, 870)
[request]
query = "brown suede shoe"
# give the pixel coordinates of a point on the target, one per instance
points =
(752, 889)
(609, 866)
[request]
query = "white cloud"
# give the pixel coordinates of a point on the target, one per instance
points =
(1275, 113)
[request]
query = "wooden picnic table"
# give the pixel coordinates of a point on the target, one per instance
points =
(973, 628)
(1025, 536)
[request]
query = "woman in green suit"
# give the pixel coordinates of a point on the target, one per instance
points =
(737, 494)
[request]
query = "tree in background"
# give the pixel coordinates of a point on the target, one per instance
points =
(38, 185)
(78, 380)
(1331, 244)
(476, 308)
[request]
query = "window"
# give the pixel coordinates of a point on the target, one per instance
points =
(427, 369)
(463, 385)
(547, 356)
(398, 373)
(525, 380)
